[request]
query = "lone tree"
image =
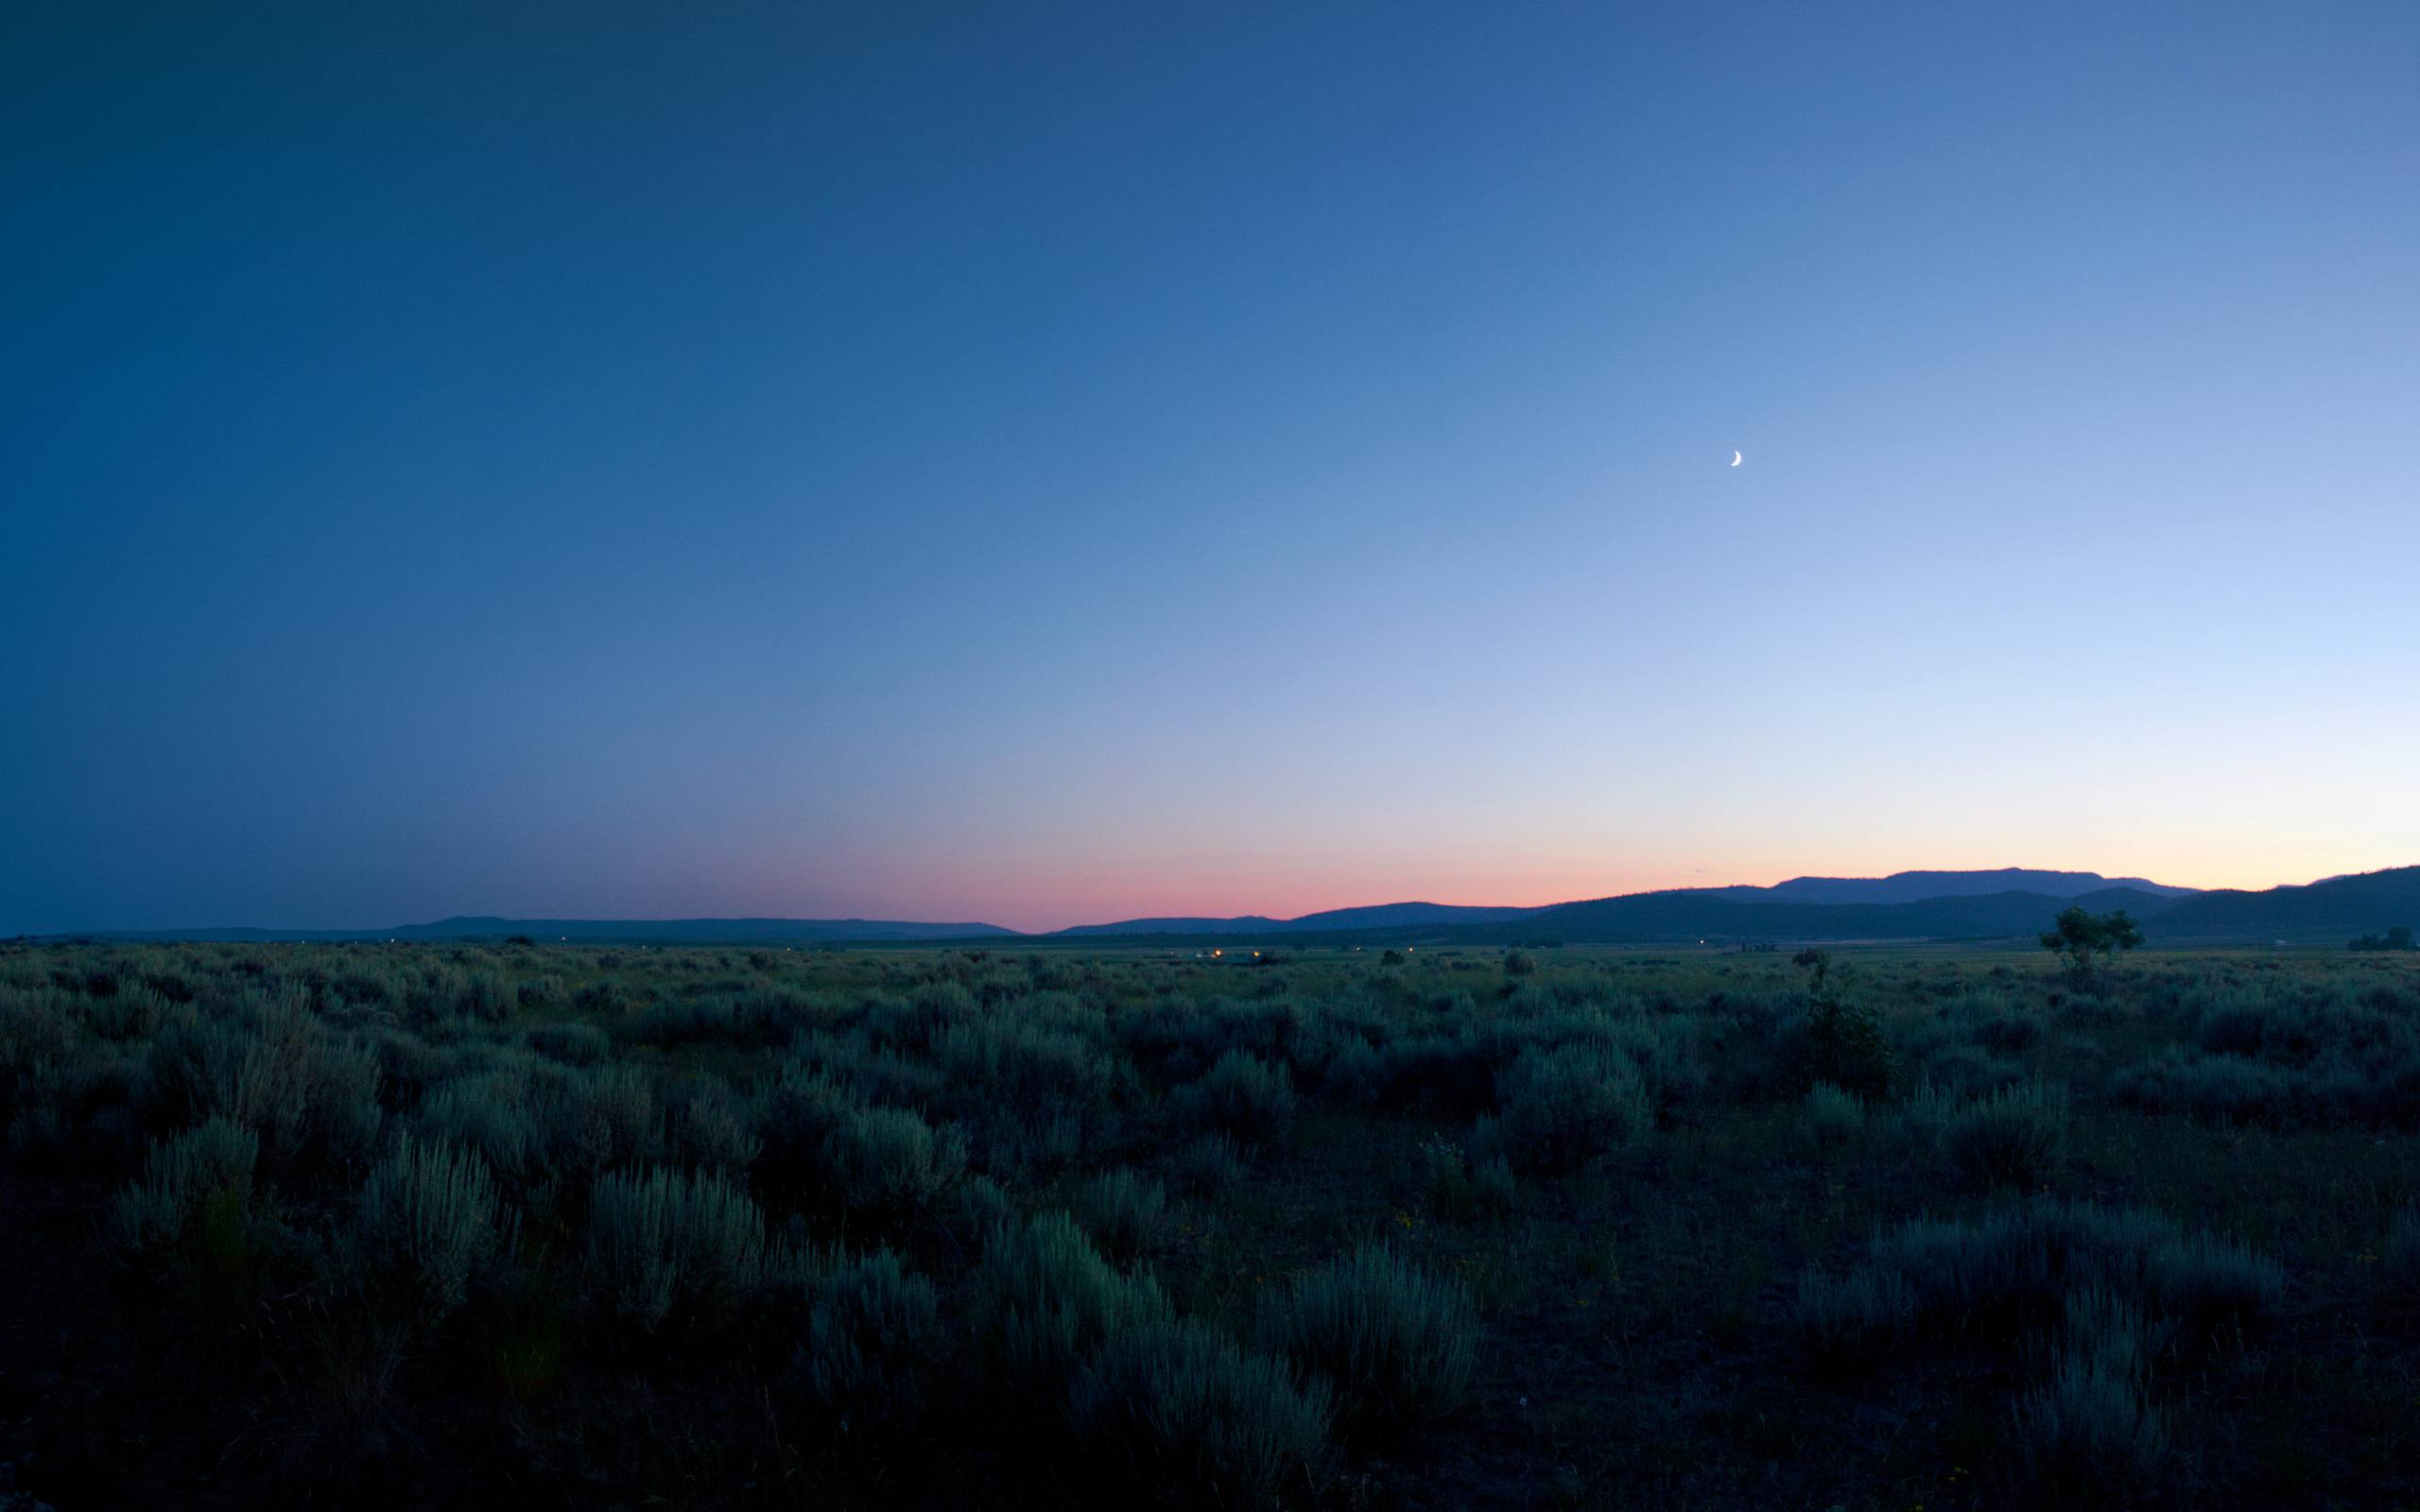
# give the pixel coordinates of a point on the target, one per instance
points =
(1846, 1044)
(2086, 940)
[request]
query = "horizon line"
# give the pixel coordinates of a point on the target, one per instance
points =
(868, 919)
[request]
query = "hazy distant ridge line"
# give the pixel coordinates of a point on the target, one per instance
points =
(1956, 905)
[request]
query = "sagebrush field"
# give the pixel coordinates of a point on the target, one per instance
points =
(542, 1224)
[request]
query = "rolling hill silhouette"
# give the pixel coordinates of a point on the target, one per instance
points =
(2329, 911)
(1908, 905)
(1679, 917)
(1375, 916)
(1918, 887)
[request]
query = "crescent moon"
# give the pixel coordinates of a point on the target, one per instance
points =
(1734, 459)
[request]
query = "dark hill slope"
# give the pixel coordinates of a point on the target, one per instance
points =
(697, 928)
(1374, 916)
(1182, 925)
(1668, 916)
(2329, 912)
(1387, 916)
(620, 930)
(1916, 887)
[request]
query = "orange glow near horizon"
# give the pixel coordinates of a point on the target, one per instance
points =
(1109, 893)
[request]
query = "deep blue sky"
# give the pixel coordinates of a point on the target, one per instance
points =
(1044, 463)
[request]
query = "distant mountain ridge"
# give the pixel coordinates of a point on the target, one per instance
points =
(1916, 887)
(1375, 916)
(1676, 912)
(705, 929)
(2326, 912)
(1908, 905)
(2335, 909)
(1900, 886)
(699, 931)
(1712, 918)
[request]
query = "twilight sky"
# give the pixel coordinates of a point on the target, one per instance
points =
(1049, 463)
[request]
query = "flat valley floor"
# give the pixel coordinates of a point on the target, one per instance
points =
(443, 1225)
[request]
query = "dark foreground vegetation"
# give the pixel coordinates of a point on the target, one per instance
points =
(543, 1226)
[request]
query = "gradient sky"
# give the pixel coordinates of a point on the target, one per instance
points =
(1044, 464)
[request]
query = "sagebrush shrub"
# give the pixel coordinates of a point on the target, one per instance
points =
(2090, 1430)
(1855, 1319)
(42, 1135)
(1447, 1177)
(574, 1044)
(73, 1108)
(1208, 1164)
(932, 1010)
(2009, 1034)
(2203, 1283)
(187, 1170)
(2010, 1267)
(1122, 1211)
(1454, 1073)
(2216, 1087)
(430, 1217)
(754, 1015)
(889, 1159)
(1848, 1046)
(410, 1067)
(497, 1114)
(135, 1013)
(791, 1116)
(1045, 1300)
(1013, 1063)
(713, 1130)
(1968, 1071)
(483, 995)
(535, 1121)
(1190, 1419)
(979, 1208)
(1398, 1342)
(667, 1245)
(601, 1000)
(272, 1067)
(1355, 1075)
(1564, 1107)
(1494, 1188)
(870, 1332)
(1833, 1117)
(1666, 1051)
(2107, 1328)
(361, 987)
(1244, 1097)
(2015, 1138)
(609, 1117)
(2015, 1265)
(38, 1033)
(1096, 1359)
(2375, 1091)
(870, 1072)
